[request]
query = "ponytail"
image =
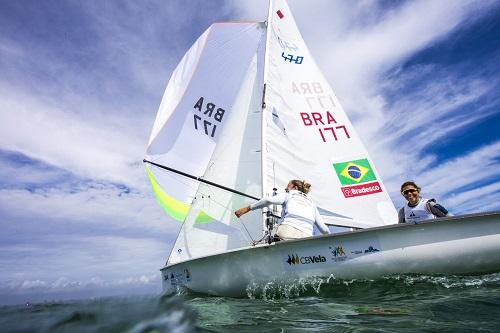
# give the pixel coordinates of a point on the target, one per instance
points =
(301, 185)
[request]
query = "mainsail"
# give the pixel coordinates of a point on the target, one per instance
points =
(248, 108)
(308, 135)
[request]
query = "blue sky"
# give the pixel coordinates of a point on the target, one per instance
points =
(81, 82)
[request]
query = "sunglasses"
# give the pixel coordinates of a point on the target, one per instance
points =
(412, 190)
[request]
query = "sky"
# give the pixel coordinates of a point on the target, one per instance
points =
(81, 82)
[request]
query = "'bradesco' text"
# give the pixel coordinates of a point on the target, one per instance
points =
(207, 117)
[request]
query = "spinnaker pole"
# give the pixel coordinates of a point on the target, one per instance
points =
(200, 179)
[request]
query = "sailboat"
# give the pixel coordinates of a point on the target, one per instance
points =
(246, 110)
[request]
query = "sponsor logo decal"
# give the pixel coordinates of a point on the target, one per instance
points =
(294, 259)
(179, 278)
(285, 44)
(296, 59)
(357, 178)
(354, 172)
(338, 253)
(356, 191)
(371, 249)
(187, 274)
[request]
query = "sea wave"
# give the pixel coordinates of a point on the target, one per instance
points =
(331, 286)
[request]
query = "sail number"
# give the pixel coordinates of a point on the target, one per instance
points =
(319, 120)
(290, 57)
(208, 117)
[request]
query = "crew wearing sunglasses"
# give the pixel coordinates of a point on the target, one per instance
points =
(417, 208)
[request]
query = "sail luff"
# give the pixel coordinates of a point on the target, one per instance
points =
(264, 110)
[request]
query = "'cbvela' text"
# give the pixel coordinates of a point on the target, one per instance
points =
(294, 259)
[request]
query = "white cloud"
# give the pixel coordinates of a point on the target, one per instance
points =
(483, 198)
(65, 284)
(89, 204)
(14, 174)
(354, 58)
(36, 284)
(468, 170)
(68, 140)
(76, 261)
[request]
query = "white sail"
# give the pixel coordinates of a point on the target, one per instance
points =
(235, 164)
(198, 100)
(309, 137)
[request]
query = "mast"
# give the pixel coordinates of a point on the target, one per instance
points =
(263, 117)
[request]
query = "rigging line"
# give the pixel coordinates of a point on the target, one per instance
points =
(208, 195)
(274, 174)
(200, 179)
(226, 208)
(248, 232)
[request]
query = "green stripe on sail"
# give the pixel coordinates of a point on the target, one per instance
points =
(175, 208)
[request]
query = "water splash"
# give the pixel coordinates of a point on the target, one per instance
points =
(449, 281)
(332, 287)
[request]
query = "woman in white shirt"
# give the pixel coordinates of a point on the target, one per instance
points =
(299, 212)
(418, 209)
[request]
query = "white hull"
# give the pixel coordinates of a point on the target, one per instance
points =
(468, 244)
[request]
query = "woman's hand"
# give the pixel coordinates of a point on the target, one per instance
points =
(242, 211)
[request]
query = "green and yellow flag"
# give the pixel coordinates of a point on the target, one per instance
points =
(354, 172)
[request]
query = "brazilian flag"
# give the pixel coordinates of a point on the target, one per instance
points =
(354, 172)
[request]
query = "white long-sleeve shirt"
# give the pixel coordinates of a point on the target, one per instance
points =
(299, 211)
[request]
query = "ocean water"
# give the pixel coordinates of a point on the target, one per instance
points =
(393, 304)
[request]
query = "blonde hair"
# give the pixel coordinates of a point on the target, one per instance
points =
(301, 185)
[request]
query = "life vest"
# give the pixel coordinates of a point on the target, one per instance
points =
(418, 213)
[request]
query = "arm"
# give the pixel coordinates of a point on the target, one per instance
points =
(436, 209)
(318, 220)
(278, 199)
(401, 215)
(264, 202)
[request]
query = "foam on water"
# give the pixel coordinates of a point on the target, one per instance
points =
(330, 286)
(409, 303)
